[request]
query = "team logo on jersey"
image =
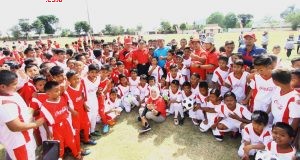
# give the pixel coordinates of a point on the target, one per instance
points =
(279, 106)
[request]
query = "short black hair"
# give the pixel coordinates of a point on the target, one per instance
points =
(175, 82)
(173, 66)
(93, 67)
(134, 70)
(223, 58)
(121, 76)
(120, 63)
(203, 85)
(289, 129)
(262, 60)
(260, 117)
(30, 66)
(104, 67)
(56, 70)
(229, 42)
(296, 72)
(216, 92)
(97, 53)
(78, 57)
(239, 55)
(28, 49)
(195, 75)
(294, 60)
(6, 52)
(239, 62)
(229, 94)
(282, 76)
(186, 83)
(113, 90)
(70, 74)
(222, 49)
(69, 52)
(151, 78)
(28, 61)
(143, 76)
(50, 84)
(273, 57)
(38, 78)
(7, 77)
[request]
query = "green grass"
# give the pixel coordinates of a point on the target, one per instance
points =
(167, 141)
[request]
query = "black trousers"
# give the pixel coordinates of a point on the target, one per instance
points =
(265, 46)
(288, 52)
(143, 69)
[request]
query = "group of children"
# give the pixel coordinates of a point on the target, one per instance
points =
(67, 97)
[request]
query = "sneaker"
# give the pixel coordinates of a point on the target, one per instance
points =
(105, 129)
(96, 134)
(176, 122)
(85, 152)
(145, 129)
(202, 130)
(181, 120)
(195, 122)
(219, 138)
(90, 142)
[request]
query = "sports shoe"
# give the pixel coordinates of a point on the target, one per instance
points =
(181, 120)
(219, 138)
(105, 129)
(176, 122)
(111, 122)
(90, 142)
(195, 122)
(145, 129)
(96, 134)
(85, 152)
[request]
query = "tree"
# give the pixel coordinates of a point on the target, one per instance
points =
(166, 27)
(216, 18)
(49, 22)
(287, 11)
(294, 19)
(107, 29)
(130, 31)
(139, 28)
(38, 26)
(25, 26)
(245, 19)
(16, 32)
(183, 26)
(270, 21)
(230, 20)
(82, 26)
(65, 32)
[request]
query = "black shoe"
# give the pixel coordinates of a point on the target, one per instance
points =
(90, 142)
(96, 134)
(139, 118)
(145, 129)
(85, 152)
(219, 138)
(181, 120)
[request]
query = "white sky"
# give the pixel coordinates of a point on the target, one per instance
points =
(130, 13)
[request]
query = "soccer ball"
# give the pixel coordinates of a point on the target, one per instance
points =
(188, 103)
(265, 155)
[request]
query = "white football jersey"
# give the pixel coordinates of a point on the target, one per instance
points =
(238, 86)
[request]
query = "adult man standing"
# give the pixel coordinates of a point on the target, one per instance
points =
(125, 54)
(265, 40)
(161, 52)
(250, 50)
(141, 58)
(199, 57)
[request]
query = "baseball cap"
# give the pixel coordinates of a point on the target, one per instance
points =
(195, 40)
(209, 40)
(252, 35)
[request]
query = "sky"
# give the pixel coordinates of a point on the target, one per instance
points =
(130, 13)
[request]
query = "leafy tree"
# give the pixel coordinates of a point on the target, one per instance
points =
(230, 20)
(216, 18)
(25, 26)
(287, 11)
(130, 31)
(49, 22)
(82, 26)
(139, 28)
(245, 19)
(65, 32)
(294, 19)
(107, 29)
(270, 21)
(16, 31)
(38, 26)
(166, 27)
(183, 26)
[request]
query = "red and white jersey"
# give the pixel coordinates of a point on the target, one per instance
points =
(109, 104)
(134, 85)
(178, 77)
(123, 90)
(12, 107)
(62, 65)
(144, 91)
(185, 72)
(175, 96)
(105, 86)
(192, 96)
(249, 135)
(55, 112)
(273, 148)
(77, 95)
(238, 85)
(157, 73)
(187, 62)
(219, 76)
(284, 107)
(240, 110)
(201, 99)
(262, 92)
(195, 90)
(36, 102)
(212, 117)
(91, 89)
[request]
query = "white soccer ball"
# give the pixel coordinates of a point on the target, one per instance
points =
(265, 155)
(188, 103)
(128, 99)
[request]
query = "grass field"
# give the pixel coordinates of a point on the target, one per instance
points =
(166, 141)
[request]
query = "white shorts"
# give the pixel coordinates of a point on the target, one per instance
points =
(198, 114)
(232, 125)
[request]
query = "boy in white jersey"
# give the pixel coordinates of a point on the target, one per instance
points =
(128, 100)
(283, 106)
(91, 83)
(256, 135)
(16, 133)
(174, 75)
(143, 88)
(220, 74)
(237, 80)
(187, 94)
(174, 102)
(261, 84)
(134, 81)
(201, 99)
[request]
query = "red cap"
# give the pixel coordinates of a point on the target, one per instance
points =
(127, 41)
(250, 35)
